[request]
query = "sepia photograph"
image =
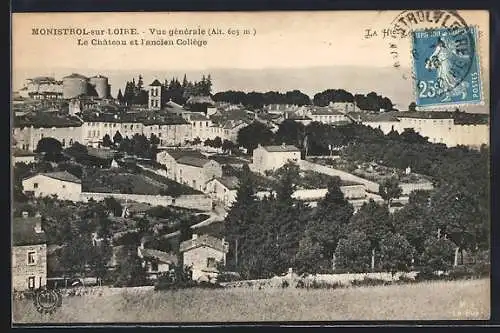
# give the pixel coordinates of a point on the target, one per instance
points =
(236, 167)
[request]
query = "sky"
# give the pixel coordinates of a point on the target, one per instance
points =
(311, 51)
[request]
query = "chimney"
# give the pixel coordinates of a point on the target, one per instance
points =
(38, 225)
(25, 214)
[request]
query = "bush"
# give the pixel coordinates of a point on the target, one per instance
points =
(369, 282)
(228, 277)
(181, 278)
(318, 285)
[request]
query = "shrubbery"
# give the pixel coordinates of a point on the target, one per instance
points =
(181, 278)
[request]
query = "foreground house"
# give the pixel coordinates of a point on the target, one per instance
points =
(62, 183)
(156, 262)
(274, 157)
(29, 253)
(203, 253)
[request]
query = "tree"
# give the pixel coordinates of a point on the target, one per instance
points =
(290, 132)
(390, 190)
(236, 225)
(227, 146)
(331, 218)
(154, 140)
(106, 141)
(412, 106)
(353, 252)
(254, 134)
(120, 97)
(309, 257)
(196, 141)
(130, 272)
(208, 143)
(217, 142)
(113, 206)
(374, 220)
(50, 147)
(117, 138)
(461, 217)
(438, 254)
(396, 253)
(414, 221)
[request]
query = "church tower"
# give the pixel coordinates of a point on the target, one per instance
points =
(154, 95)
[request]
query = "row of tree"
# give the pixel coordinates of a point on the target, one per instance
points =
(255, 100)
(136, 94)
(318, 138)
(269, 236)
(370, 102)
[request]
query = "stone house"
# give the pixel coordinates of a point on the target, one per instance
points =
(274, 157)
(62, 183)
(156, 262)
(222, 189)
(169, 157)
(29, 253)
(202, 253)
(196, 172)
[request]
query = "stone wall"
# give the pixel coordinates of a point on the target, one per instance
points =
(194, 201)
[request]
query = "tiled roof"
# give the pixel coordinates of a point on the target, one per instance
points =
(200, 100)
(203, 240)
(373, 117)
(155, 83)
(225, 159)
(23, 231)
(325, 112)
(164, 257)
(46, 120)
(193, 161)
(230, 182)
(459, 118)
(63, 175)
(281, 148)
(75, 76)
(195, 116)
(179, 153)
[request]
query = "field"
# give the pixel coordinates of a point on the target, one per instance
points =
(422, 301)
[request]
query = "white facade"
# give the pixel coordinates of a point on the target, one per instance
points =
(219, 192)
(443, 131)
(42, 185)
(27, 138)
(274, 157)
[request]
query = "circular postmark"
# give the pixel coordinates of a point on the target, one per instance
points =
(441, 41)
(47, 300)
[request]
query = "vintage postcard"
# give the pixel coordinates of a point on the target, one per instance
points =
(197, 167)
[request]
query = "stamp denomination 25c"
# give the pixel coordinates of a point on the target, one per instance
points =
(446, 66)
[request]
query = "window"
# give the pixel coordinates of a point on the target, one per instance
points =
(31, 282)
(64, 186)
(35, 185)
(31, 257)
(210, 262)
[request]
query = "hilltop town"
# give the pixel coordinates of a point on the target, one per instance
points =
(119, 190)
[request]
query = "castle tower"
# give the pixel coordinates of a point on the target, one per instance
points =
(154, 95)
